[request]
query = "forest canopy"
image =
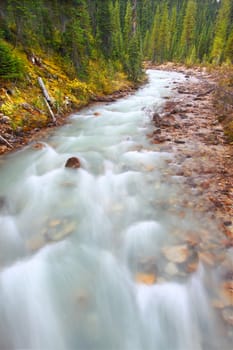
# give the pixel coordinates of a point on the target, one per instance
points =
(118, 33)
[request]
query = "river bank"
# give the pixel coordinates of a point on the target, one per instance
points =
(189, 126)
(13, 140)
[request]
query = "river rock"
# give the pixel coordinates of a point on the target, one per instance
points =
(145, 278)
(54, 223)
(2, 202)
(38, 145)
(4, 119)
(35, 243)
(61, 233)
(156, 119)
(73, 163)
(171, 269)
(227, 293)
(3, 149)
(177, 254)
(206, 258)
(227, 315)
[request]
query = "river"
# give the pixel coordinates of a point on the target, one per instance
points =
(86, 259)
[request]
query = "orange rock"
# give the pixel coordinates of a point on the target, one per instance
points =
(206, 257)
(146, 278)
(97, 114)
(192, 267)
(227, 292)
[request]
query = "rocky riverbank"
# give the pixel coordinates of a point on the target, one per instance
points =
(190, 127)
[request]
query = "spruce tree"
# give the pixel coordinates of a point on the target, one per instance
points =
(10, 66)
(187, 42)
(221, 31)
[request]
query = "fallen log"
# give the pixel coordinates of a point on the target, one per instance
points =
(50, 111)
(48, 100)
(44, 90)
(5, 141)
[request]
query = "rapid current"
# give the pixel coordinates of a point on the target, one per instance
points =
(82, 264)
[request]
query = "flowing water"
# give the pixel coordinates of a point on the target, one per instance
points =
(81, 251)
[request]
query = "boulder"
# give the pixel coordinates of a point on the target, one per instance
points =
(73, 163)
(4, 119)
(156, 119)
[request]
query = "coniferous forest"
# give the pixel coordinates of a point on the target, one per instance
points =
(96, 47)
(118, 32)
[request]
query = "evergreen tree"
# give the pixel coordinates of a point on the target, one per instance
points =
(104, 27)
(77, 38)
(221, 31)
(117, 39)
(10, 66)
(229, 47)
(164, 34)
(128, 20)
(173, 33)
(154, 48)
(188, 34)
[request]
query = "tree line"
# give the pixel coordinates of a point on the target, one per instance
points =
(117, 33)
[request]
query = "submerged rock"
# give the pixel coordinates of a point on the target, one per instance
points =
(176, 254)
(145, 278)
(73, 163)
(38, 145)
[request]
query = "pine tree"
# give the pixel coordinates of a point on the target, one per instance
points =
(154, 48)
(117, 39)
(10, 66)
(173, 33)
(104, 27)
(188, 33)
(229, 47)
(164, 34)
(128, 20)
(221, 30)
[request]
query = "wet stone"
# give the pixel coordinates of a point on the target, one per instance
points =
(73, 163)
(227, 315)
(145, 278)
(171, 269)
(38, 145)
(176, 254)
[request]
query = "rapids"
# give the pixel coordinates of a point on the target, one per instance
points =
(77, 245)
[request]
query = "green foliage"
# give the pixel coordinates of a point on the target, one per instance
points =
(190, 31)
(221, 31)
(117, 31)
(188, 34)
(133, 62)
(10, 66)
(229, 47)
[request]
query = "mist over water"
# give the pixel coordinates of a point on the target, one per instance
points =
(75, 245)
